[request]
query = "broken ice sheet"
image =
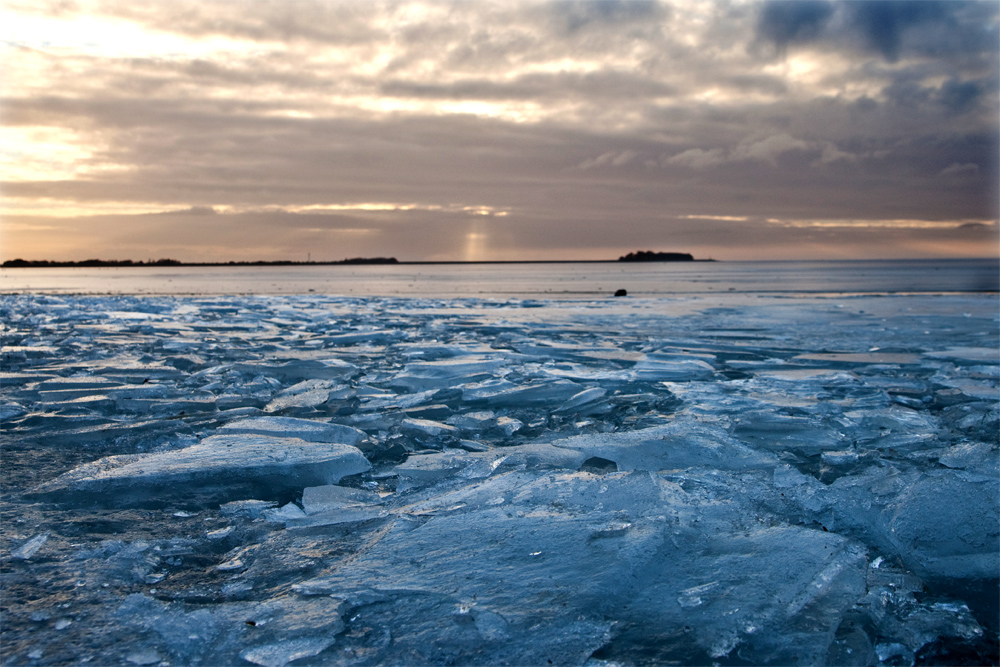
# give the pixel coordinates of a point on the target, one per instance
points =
(559, 549)
(699, 488)
(226, 467)
(30, 548)
(289, 427)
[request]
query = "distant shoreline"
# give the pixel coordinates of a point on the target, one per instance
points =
(111, 264)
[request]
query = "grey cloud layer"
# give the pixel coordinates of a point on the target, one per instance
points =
(592, 116)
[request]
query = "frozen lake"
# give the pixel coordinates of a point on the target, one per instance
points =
(701, 476)
(552, 281)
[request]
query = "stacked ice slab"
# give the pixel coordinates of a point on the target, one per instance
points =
(345, 481)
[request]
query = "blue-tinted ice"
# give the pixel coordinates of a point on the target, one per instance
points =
(337, 481)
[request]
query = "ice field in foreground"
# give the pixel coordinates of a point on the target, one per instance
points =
(319, 480)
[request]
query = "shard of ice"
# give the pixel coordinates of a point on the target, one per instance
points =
(227, 467)
(318, 480)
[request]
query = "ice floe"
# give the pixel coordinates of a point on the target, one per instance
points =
(347, 481)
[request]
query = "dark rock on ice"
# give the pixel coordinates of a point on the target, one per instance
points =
(621, 292)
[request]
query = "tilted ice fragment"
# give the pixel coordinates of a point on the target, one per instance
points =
(377, 421)
(942, 523)
(77, 383)
(11, 410)
(220, 533)
(423, 351)
(432, 467)
(509, 425)
(427, 468)
(966, 455)
(491, 626)
(168, 406)
(422, 375)
(137, 372)
(912, 625)
(670, 447)
(30, 548)
(582, 373)
(472, 446)
(302, 369)
(777, 431)
(435, 411)
(948, 524)
(281, 653)
(277, 631)
(842, 458)
(425, 427)
(473, 421)
(222, 466)
(20, 379)
(402, 401)
(138, 391)
(974, 355)
(481, 391)
(290, 427)
(672, 368)
(335, 517)
(376, 336)
(305, 394)
(578, 401)
(144, 657)
(482, 467)
(310, 385)
(984, 389)
(786, 476)
(246, 508)
(859, 358)
(328, 497)
(626, 546)
(288, 512)
(531, 394)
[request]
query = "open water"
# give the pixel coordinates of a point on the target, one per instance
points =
(549, 281)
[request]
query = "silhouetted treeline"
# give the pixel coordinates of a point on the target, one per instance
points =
(650, 256)
(17, 263)
(22, 263)
(369, 260)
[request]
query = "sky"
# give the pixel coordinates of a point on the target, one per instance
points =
(218, 130)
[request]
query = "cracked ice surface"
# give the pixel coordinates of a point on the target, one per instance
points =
(365, 481)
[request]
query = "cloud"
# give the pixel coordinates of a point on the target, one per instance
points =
(612, 158)
(959, 170)
(833, 154)
(697, 158)
(893, 29)
(758, 149)
(570, 115)
(768, 148)
(783, 23)
(884, 22)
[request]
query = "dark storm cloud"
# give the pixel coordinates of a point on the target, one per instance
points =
(889, 28)
(883, 22)
(784, 23)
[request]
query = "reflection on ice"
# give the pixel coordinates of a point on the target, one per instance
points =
(319, 480)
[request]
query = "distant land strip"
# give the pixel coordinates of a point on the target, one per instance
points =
(641, 256)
